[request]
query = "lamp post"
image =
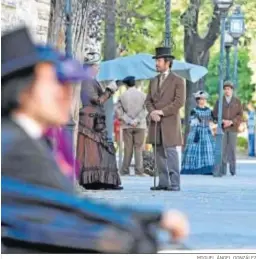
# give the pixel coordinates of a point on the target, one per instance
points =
(69, 128)
(223, 6)
(236, 30)
(167, 40)
(228, 45)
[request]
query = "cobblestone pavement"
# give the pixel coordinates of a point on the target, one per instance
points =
(221, 211)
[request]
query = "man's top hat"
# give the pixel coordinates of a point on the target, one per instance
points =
(129, 81)
(18, 53)
(163, 52)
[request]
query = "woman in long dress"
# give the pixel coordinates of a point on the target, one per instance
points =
(96, 155)
(198, 157)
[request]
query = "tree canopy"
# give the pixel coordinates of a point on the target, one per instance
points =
(245, 89)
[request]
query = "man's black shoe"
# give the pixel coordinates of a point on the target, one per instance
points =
(118, 188)
(157, 188)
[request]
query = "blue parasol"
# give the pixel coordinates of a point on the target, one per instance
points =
(142, 67)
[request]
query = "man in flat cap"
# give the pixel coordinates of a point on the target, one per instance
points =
(166, 95)
(232, 115)
(131, 111)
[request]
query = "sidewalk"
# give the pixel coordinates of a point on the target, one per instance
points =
(221, 211)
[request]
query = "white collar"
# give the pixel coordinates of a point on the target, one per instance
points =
(30, 126)
(166, 72)
(228, 98)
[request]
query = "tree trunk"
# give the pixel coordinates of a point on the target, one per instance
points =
(110, 53)
(202, 60)
(86, 17)
(197, 48)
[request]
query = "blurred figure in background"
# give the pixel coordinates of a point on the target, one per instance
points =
(198, 157)
(97, 157)
(232, 116)
(251, 129)
(117, 125)
(131, 111)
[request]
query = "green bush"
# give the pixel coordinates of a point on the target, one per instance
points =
(242, 143)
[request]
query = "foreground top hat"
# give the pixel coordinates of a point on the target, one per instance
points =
(129, 81)
(163, 52)
(229, 84)
(92, 58)
(18, 52)
(201, 94)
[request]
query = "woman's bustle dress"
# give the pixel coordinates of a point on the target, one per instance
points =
(96, 155)
(198, 157)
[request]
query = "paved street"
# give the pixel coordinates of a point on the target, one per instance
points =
(222, 211)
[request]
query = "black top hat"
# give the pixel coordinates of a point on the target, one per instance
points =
(17, 52)
(129, 81)
(163, 52)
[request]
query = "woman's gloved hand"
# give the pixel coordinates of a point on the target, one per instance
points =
(112, 87)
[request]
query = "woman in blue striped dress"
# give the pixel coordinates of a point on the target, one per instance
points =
(198, 157)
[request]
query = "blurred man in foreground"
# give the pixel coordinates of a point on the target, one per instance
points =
(40, 212)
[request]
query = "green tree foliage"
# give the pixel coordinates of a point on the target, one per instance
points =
(140, 26)
(245, 89)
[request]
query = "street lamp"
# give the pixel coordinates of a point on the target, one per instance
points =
(228, 45)
(236, 30)
(167, 41)
(69, 128)
(223, 6)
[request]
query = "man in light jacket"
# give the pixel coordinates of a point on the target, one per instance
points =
(131, 111)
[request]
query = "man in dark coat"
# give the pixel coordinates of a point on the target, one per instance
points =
(165, 97)
(36, 94)
(232, 115)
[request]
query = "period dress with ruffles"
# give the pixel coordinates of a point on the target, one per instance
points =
(198, 157)
(96, 155)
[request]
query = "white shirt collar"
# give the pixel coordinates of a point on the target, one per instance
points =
(166, 72)
(30, 126)
(228, 98)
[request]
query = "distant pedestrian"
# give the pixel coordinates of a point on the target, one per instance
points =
(132, 113)
(199, 151)
(117, 124)
(232, 114)
(251, 129)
